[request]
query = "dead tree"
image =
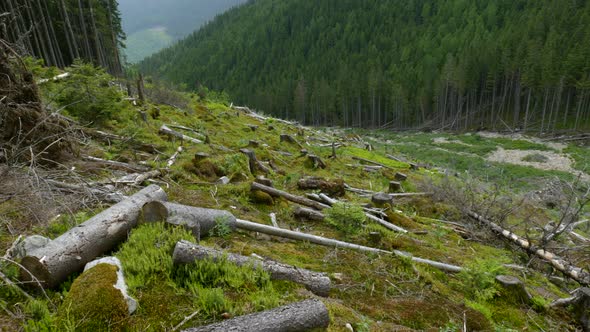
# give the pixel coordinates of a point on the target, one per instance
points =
(167, 131)
(308, 214)
(69, 253)
(318, 283)
(290, 197)
(199, 221)
(580, 305)
(560, 264)
(296, 317)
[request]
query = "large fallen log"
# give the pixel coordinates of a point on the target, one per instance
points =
(198, 220)
(372, 162)
(290, 197)
(296, 317)
(255, 227)
(319, 283)
(69, 253)
(560, 264)
(167, 131)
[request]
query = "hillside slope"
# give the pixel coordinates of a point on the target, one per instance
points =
(401, 64)
(371, 291)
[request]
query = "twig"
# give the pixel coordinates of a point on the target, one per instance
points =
(33, 278)
(186, 319)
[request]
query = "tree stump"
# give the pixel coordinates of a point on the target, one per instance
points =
(289, 139)
(253, 144)
(254, 164)
(381, 199)
(319, 283)
(199, 156)
(253, 127)
(400, 177)
(300, 131)
(316, 161)
(303, 152)
(121, 285)
(579, 304)
(308, 315)
(395, 187)
(514, 288)
(330, 187)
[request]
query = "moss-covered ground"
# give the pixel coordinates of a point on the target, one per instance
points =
(371, 292)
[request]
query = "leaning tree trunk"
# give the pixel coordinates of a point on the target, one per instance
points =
(319, 283)
(296, 317)
(199, 220)
(69, 253)
(560, 264)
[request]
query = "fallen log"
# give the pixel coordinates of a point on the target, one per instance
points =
(199, 221)
(117, 164)
(316, 161)
(371, 162)
(332, 187)
(100, 193)
(167, 131)
(200, 135)
(308, 214)
(319, 283)
(560, 264)
(290, 197)
(255, 227)
(296, 317)
(69, 253)
(289, 139)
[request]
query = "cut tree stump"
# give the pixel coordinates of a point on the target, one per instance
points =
(316, 161)
(167, 131)
(579, 304)
(253, 144)
(68, 253)
(253, 127)
(289, 139)
(319, 283)
(199, 221)
(308, 315)
(514, 288)
(400, 177)
(254, 164)
(330, 187)
(199, 156)
(395, 187)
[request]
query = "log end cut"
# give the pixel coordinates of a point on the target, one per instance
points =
(35, 273)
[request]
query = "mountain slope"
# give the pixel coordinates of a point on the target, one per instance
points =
(449, 64)
(172, 20)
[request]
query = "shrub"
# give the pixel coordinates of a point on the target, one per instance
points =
(478, 279)
(88, 95)
(346, 217)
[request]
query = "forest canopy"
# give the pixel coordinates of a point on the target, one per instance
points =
(451, 64)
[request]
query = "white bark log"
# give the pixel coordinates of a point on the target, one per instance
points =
(69, 253)
(165, 130)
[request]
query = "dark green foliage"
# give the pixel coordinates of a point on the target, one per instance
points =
(87, 94)
(346, 217)
(444, 64)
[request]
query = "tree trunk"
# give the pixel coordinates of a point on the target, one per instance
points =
(318, 283)
(288, 196)
(557, 262)
(199, 220)
(85, 38)
(69, 31)
(69, 253)
(308, 214)
(167, 131)
(255, 227)
(296, 317)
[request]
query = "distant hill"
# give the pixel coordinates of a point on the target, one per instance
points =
(450, 64)
(153, 24)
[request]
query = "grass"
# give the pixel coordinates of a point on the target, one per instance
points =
(371, 292)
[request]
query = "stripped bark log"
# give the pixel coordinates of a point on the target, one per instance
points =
(560, 264)
(290, 197)
(167, 131)
(371, 162)
(319, 283)
(69, 253)
(200, 135)
(255, 227)
(117, 164)
(199, 221)
(296, 317)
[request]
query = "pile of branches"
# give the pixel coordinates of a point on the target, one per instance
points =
(27, 131)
